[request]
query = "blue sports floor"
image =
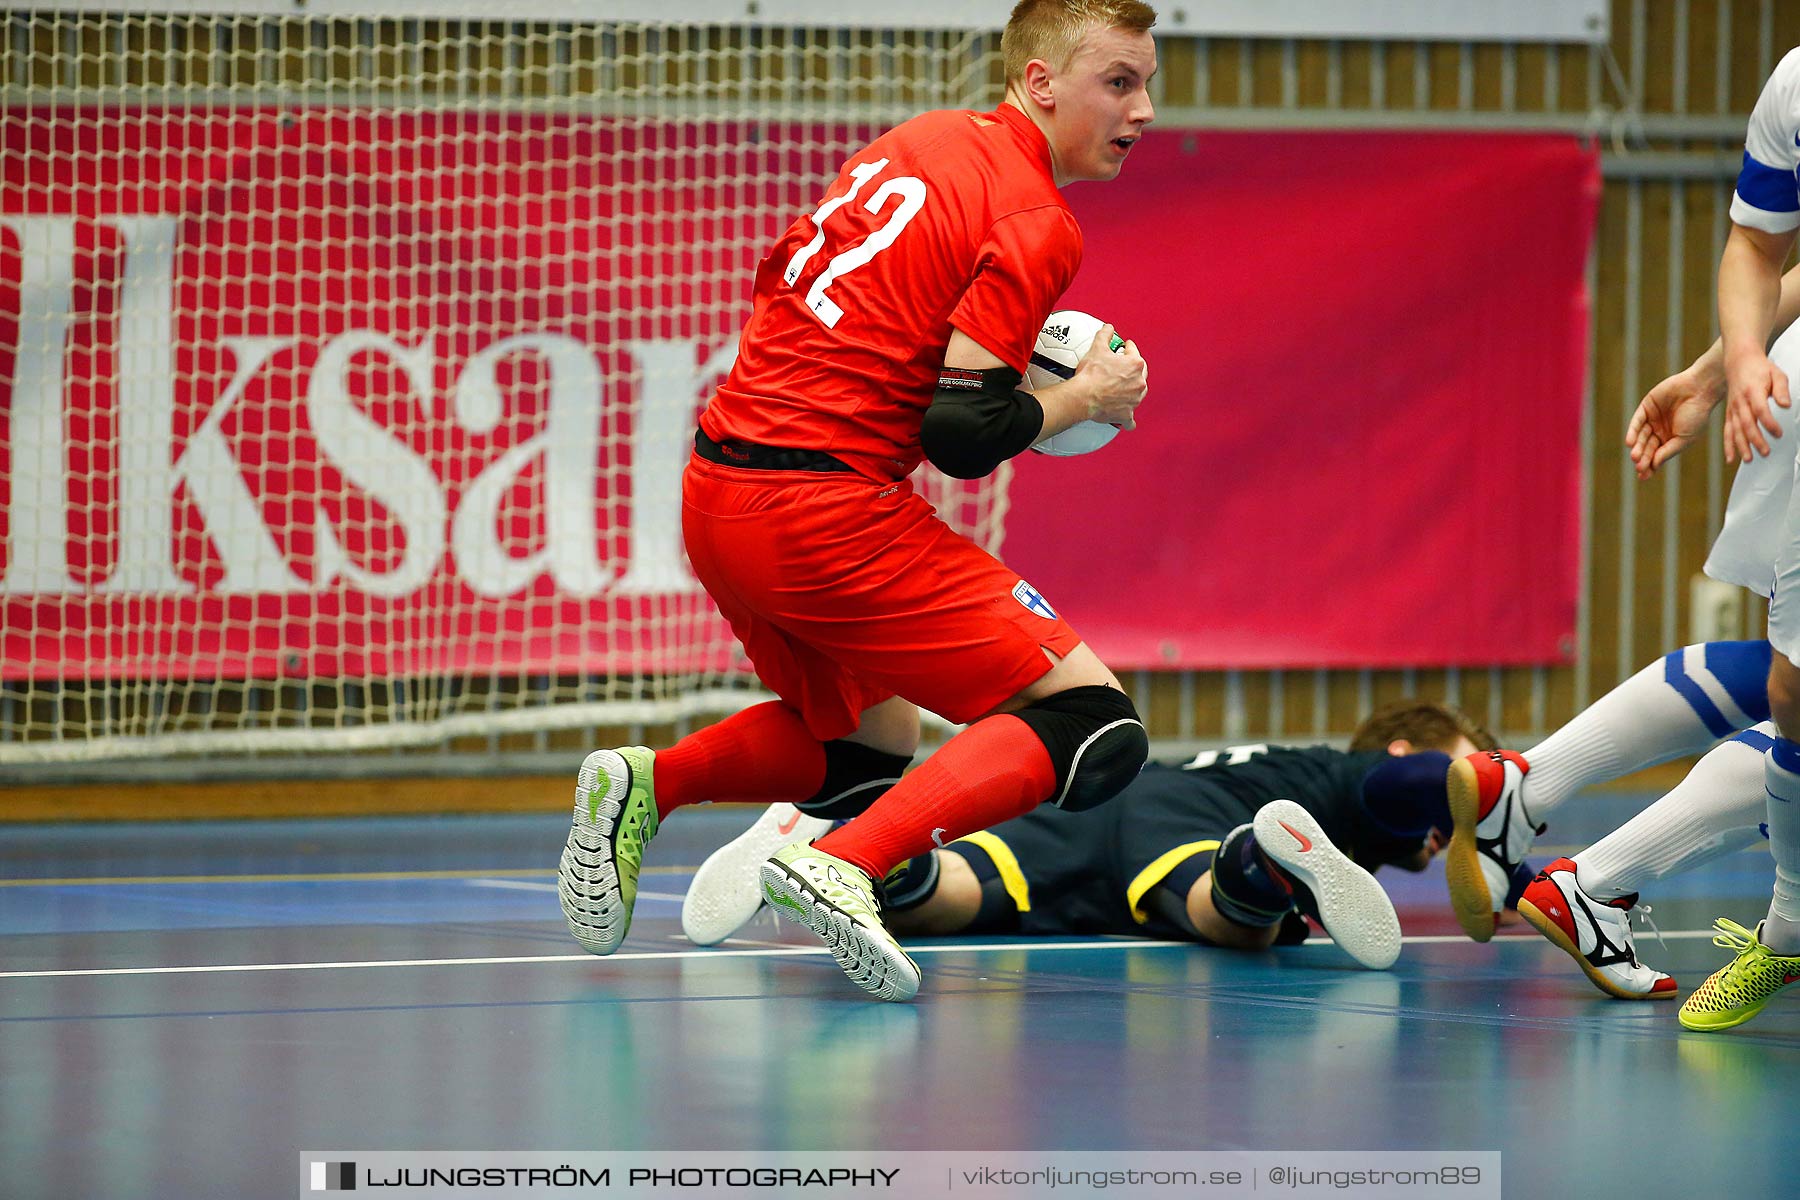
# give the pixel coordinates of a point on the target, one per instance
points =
(184, 1007)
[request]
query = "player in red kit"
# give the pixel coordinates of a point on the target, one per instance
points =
(890, 325)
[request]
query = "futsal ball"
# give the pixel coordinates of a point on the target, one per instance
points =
(1061, 343)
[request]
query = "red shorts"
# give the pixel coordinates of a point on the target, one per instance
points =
(846, 592)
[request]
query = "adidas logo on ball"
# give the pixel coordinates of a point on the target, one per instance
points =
(1064, 338)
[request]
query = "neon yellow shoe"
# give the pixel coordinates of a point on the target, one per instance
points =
(837, 901)
(615, 818)
(1737, 991)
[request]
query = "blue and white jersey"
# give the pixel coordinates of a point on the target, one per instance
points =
(1768, 195)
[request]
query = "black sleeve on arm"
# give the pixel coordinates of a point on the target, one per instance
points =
(977, 420)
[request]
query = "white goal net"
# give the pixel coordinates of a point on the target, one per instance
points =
(348, 365)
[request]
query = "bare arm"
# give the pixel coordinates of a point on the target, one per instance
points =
(1749, 296)
(1787, 308)
(1711, 364)
(1750, 288)
(1676, 411)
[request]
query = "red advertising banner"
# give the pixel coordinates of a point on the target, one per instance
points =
(357, 392)
(318, 392)
(1362, 443)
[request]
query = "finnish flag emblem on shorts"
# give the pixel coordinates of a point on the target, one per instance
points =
(1029, 596)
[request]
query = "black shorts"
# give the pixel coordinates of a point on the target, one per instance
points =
(1090, 872)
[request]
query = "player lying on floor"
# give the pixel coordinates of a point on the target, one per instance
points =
(1226, 850)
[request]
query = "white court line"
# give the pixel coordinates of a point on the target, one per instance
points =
(1641, 935)
(740, 941)
(658, 956)
(520, 885)
(677, 955)
(1420, 940)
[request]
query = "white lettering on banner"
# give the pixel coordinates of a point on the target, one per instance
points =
(147, 416)
(38, 542)
(372, 457)
(662, 437)
(569, 444)
(377, 460)
(215, 483)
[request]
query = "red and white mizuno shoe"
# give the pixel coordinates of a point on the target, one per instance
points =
(1596, 933)
(1489, 837)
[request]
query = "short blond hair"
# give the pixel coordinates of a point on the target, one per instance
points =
(1053, 29)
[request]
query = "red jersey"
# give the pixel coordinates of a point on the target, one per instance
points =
(951, 219)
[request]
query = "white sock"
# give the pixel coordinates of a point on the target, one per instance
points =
(1716, 810)
(1680, 704)
(1781, 776)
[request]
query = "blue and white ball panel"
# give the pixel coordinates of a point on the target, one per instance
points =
(1768, 193)
(1757, 534)
(1043, 362)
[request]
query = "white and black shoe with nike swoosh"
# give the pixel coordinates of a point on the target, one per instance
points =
(727, 889)
(1354, 909)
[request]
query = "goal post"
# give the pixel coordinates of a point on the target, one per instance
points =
(349, 359)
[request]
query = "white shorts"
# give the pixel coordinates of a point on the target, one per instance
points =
(1759, 545)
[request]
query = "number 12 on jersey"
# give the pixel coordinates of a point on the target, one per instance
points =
(911, 193)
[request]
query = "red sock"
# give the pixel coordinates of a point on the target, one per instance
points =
(762, 754)
(993, 771)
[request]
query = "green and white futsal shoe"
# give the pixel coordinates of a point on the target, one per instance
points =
(615, 817)
(727, 889)
(837, 901)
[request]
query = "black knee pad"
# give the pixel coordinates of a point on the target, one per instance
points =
(911, 883)
(1096, 742)
(855, 777)
(998, 911)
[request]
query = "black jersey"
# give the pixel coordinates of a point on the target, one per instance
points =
(1088, 872)
(1231, 785)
